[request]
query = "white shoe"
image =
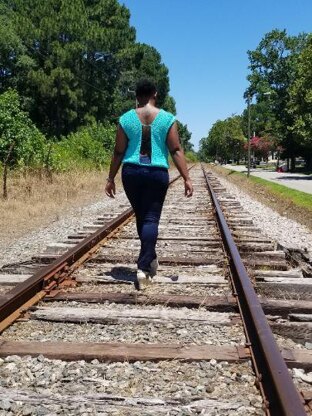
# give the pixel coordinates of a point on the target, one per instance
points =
(142, 279)
(154, 267)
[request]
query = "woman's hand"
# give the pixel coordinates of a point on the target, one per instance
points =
(188, 188)
(110, 189)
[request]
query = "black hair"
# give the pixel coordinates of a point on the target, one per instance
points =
(145, 88)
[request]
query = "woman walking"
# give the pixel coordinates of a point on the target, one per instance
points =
(144, 138)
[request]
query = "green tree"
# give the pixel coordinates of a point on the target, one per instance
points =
(273, 66)
(262, 120)
(170, 105)
(109, 35)
(75, 62)
(14, 61)
(72, 47)
(185, 137)
(210, 147)
(134, 63)
(21, 143)
(300, 104)
(225, 141)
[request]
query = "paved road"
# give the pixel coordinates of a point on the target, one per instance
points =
(296, 181)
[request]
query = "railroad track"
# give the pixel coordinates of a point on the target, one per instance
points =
(194, 342)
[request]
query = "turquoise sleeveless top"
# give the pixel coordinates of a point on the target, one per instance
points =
(160, 126)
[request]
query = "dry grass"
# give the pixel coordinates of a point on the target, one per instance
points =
(35, 202)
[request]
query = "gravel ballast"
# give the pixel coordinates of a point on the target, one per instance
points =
(285, 231)
(155, 289)
(191, 334)
(184, 382)
(36, 241)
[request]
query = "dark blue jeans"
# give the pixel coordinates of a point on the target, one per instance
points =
(146, 189)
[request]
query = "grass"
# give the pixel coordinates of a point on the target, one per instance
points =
(301, 199)
(35, 202)
(288, 202)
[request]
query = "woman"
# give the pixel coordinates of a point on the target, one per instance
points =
(143, 139)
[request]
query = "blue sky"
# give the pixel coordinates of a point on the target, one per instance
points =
(204, 44)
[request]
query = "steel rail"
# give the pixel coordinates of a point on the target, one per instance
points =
(281, 395)
(22, 293)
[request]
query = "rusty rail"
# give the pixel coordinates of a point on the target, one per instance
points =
(26, 290)
(280, 394)
(20, 296)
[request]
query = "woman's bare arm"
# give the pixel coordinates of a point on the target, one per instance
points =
(178, 158)
(121, 144)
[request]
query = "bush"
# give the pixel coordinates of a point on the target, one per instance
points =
(88, 148)
(191, 156)
(21, 143)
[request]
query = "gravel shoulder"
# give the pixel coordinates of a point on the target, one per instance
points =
(72, 221)
(283, 230)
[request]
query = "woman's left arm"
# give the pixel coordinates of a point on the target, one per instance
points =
(121, 144)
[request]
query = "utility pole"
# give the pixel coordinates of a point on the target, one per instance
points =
(249, 97)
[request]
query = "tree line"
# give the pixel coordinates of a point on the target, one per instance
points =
(67, 68)
(279, 93)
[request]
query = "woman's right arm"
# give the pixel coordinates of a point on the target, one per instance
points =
(121, 144)
(178, 158)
